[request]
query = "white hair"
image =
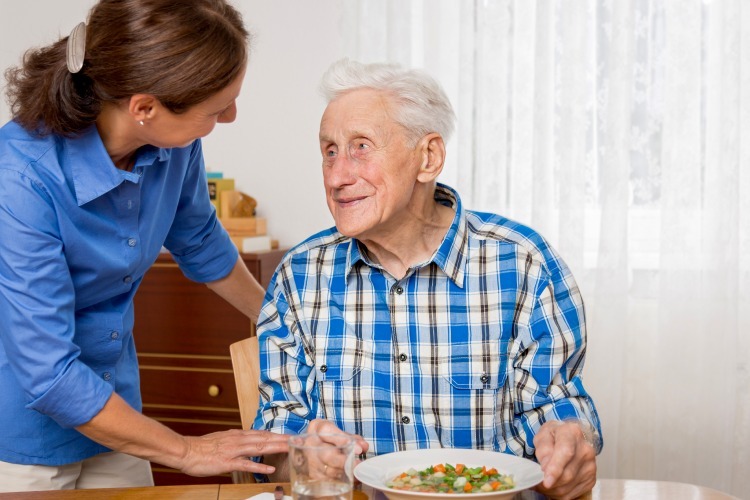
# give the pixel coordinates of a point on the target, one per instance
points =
(420, 104)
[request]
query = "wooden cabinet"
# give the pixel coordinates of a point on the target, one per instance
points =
(182, 333)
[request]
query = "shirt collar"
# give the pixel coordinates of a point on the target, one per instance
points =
(94, 174)
(450, 255)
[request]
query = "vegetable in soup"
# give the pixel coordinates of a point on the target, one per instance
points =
(447, 478)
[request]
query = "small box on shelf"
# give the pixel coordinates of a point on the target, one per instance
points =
(244, 226)
(250, 244)
(237, 215)
(215, 187)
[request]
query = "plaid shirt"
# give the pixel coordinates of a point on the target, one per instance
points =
(475, 348)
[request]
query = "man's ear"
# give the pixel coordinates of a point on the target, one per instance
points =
(142, 107)
(432, 149)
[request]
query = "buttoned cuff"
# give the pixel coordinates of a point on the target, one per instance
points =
(75, 397)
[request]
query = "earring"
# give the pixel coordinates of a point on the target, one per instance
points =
(141, 122)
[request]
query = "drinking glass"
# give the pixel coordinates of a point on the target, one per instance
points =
(321, 466)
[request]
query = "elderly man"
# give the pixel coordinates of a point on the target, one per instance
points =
(414, 322)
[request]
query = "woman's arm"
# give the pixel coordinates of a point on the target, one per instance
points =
(241, 289)
(121, 428)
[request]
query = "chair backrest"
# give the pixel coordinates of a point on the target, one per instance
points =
(246, 366)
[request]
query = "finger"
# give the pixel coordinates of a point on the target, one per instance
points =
(360, 445)
(544, 444)
(267, 436)
(259, 448)
(256, 443)
(248, 465)
(322, 426)
(338, 438)
(563, 452)
(580, 484)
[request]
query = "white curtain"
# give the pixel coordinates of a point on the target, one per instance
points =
(615, 128)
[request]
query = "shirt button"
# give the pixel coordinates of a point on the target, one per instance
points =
(484, 378)
(114, 334)
(131, 242)
(107, 376)
(323, 368)
(402, 357)
(127, 279)
(405, 419)
(398, 289)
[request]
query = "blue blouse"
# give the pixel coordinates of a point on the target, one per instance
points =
(77, 235)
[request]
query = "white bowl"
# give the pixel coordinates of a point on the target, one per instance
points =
(375, 472)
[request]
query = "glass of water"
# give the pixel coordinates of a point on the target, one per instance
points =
(321, 466)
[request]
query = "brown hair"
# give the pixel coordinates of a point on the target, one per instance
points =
(182, 52)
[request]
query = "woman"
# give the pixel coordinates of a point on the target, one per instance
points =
(101, 167)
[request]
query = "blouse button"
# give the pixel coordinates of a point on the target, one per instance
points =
(107, 376)
(323, 368)
(127, 280)
(399, 290)
(405, 419)
(402, 357)
(114, 335)
(484, 378)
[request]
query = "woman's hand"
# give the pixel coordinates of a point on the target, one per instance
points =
(227, 451)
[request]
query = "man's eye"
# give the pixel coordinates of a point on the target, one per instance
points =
(360, 148)
(330, 153)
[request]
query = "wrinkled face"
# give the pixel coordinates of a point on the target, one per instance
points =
(179, 130)
(369, 171)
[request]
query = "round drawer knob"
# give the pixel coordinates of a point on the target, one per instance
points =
(214, 390)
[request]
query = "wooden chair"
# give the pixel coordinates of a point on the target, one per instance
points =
(246, 366)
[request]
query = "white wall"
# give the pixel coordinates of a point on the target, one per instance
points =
(272, 148)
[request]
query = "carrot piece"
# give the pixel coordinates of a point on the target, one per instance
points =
(492, 472)
(460, 468)
(439, 468)
(467, 487)
(495, 484)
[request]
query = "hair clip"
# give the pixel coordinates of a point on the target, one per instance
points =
(76, 49)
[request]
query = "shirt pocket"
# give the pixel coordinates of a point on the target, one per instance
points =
(343, 378)
(472, 378)
(478, 363)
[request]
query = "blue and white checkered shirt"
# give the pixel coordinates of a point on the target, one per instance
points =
(475, 348)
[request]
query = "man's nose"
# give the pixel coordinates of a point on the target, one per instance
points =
(342, 171)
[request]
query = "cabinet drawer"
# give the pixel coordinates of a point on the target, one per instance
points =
(188, 387)
(199, 427)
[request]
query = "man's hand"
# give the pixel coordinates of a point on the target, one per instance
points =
(568, 460)
(321, 426)
(318, 426)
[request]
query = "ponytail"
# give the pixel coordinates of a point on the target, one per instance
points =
(46, 98)
(182, 53)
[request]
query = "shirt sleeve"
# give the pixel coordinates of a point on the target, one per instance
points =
(287, 377)
(547, 373)
(197, 240)
(37, 307)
